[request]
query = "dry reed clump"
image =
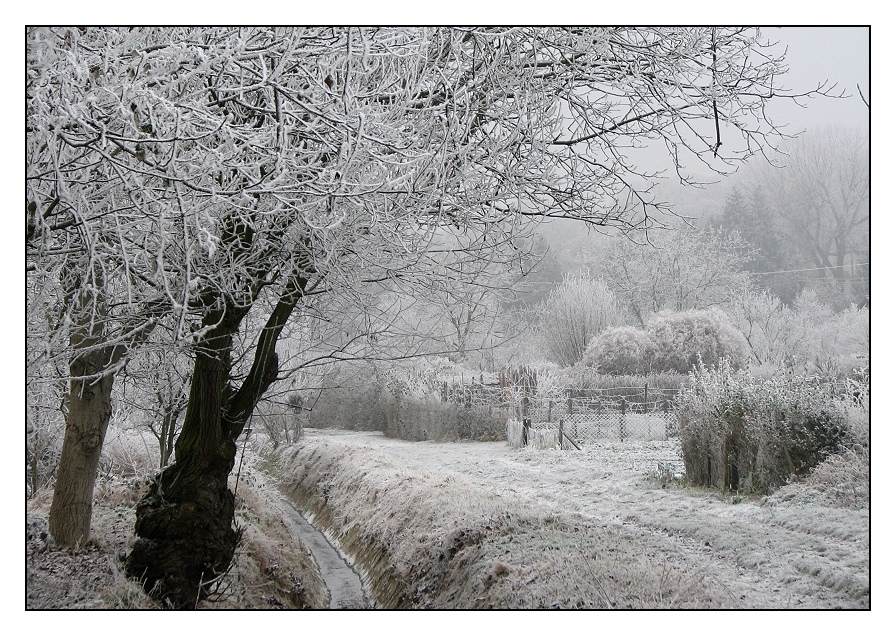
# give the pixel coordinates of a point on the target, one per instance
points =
(841, 481)
(437, 541)
(753, 435)
(128, 452)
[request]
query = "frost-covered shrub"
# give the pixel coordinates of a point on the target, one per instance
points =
(621, 350)
(353, 398)
(858, 406)
(843, 480)
(281, 424)
(356, 408)
(671, 341)
(683, 338)
(577, 310)
(418, 420)
(742, 433)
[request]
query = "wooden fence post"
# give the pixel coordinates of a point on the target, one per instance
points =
(561, 433)
(550, 407)
(622, 422)
(667, 427)
(526, 423)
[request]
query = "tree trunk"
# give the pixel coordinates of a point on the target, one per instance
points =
(186, 538)
(89, 411)
(92, 365)
(89, 404)
(184, 522)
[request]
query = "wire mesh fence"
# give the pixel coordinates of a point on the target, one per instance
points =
(570, 417)
(581, 429)
(582, 422)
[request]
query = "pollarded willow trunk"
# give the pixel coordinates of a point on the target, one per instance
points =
(186, 538)
(185, 523)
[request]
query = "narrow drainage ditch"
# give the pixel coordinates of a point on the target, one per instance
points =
(344, 584)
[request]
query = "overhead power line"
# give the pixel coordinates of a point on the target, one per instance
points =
(810, 269)
(783, 271)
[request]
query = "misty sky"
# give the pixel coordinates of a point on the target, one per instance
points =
(840, 55)
(815, 54)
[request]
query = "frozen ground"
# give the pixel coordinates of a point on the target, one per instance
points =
(784, 551)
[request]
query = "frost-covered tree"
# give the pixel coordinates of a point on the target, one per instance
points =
(752, 217)
(574, 313)
(808, 332)
(229, 179)
(678, 271)
(821, 332)
(821, 202)
(766, 323)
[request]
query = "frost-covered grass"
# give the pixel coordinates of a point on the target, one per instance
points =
(271, 569)
(460, 525)
(435, 540)
(480, 524)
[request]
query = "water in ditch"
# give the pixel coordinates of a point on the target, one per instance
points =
(344, 584)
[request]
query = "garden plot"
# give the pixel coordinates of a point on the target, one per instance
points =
(714, 550)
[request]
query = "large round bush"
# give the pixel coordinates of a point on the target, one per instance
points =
(684, 338)
(621, 351)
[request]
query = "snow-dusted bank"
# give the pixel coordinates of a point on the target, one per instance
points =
(478, 525)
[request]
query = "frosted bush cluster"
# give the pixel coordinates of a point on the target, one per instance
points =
(742, 433)
(671, 341)
(621, 350)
